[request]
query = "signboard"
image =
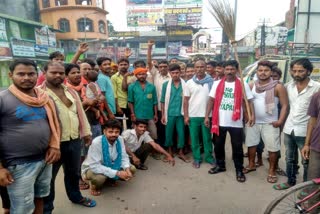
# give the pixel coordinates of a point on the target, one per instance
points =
(14, 29)
(174, 47)
(124, 34)
(22, 47)
(183, 16)
(141, 2)
(5, 51)
(145, 17)
(44, 39)
(182, 2)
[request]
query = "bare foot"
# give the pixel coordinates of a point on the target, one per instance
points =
(184, 158)
(95, 191)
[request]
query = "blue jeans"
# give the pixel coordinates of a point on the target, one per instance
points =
(31, 180)
(70, 161)
(294, 145)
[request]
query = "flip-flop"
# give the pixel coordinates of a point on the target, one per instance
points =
(279, 171)
(95, 192)
(247, 170)
(83, 185)
(87, 202)
(241, 177)
(281, 186)
(272, 179)
(258, 165)
(186, 160)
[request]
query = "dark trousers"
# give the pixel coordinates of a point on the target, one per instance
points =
(4, 197)
(236, 143)
(126, 111)
(143, 152)
(70, 161)
(161, 131)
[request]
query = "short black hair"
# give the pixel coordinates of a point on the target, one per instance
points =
(173, 58)
(174, 66)
(91, 62)
(141, 121)
(55, 55)
(123, 60)
(220, 64)
(277, 70)
(163, 62)
(190, 65)
(212, 63)
(50, 63)
(112, 124)
(304, 62)
(17, 62)
(68, 67)
(233, 63)
(139, 62)
(266, 63)
(100, 60)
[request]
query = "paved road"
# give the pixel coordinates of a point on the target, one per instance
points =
(179, 190)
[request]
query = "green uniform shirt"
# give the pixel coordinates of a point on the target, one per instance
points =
(142, 100)
(175, 103)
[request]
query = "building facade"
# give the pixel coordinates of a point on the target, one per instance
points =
(79, 21)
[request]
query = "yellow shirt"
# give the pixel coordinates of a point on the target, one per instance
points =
(70, 126)
(119, 94)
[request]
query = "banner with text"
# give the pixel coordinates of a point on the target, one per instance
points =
(22, 47)
(145, 17)
(183, 16)
(141, 2)
(5, 51)
(183, 2)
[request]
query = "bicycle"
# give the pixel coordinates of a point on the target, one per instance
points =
(303, 198)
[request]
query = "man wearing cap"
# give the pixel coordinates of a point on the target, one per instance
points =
(142, 101)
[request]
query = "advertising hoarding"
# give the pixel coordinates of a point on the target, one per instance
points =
(22, 47)
(183, 16)
(145, 17)
(182, 2)
(141, 2)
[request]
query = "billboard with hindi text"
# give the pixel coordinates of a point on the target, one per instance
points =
(141, 2)
(183, 16)
(182, 2)
(145, 17)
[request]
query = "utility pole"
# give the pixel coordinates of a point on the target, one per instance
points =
(263, 38)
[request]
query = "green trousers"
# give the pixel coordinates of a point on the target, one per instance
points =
(197, 127)
(175, 122)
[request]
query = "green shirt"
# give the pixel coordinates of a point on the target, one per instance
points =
(142, 100)
(175, 103)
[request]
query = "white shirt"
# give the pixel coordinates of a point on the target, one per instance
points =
(131, 140)
(94, 160)
(299, 102)
(158, 81)
(227, 104)
(198, 98)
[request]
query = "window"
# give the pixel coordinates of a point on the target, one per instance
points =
(61, 2)
(64, 25)
(102, 27)
(99, 4)
(45, 3)
(85, 25)
(83, 2)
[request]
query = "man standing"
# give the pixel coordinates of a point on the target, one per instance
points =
(219, 70)
(211, 69)
(104, 82)
(120, 95)
(159, 75)
(194, 107)
(74, 126)
(142, 101)
(311, 149)
(300, 91)
(107, 159)
(226, 98)
(172, 110)
(29, 139)
(139, 144)
(268, 94)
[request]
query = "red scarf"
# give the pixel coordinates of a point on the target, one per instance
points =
(217, 102)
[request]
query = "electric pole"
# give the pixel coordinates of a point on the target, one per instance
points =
(263, 38)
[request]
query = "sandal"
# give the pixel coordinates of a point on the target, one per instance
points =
(281, 186)
(83, 185)
(259, 164)
(246, 170)
(87, 202)
(184, 159)
(272, 179)
(196, 164)
(95, 192)
(241, 177)
(142, 167)
(280, 172)
(216, 170)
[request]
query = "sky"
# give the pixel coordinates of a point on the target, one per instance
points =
(250, 14)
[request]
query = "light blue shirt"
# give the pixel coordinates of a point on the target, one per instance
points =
(105, 85)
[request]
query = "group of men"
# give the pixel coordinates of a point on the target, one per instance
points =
(70, 120)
